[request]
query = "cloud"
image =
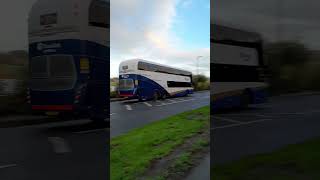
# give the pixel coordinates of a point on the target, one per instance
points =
(143, 29)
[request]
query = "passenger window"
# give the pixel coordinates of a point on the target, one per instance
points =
(99, 13)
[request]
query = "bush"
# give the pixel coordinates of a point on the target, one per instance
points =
(200, 82)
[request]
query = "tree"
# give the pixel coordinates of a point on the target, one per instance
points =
(200, 82)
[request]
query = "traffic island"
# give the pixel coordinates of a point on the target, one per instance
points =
(166, 149)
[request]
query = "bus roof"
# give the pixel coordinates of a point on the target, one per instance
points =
(135, 61)
(219, 32)
(67, 19)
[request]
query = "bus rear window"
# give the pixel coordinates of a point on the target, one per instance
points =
(61, 66)
(39, 67)
(48, 19)
(126, 84)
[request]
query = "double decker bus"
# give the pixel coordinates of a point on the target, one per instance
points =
(69, 57)
(238, 71)
(145, 80)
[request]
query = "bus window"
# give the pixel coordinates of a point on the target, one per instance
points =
(126, 84)
(178, 84)
(61, 66)
(39, 67)
(99, 15)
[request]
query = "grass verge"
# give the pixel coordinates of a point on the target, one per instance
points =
(134, 152)
(294, 162)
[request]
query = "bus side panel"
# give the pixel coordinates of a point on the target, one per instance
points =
(98, 84)
(147, 87)
(259, 96)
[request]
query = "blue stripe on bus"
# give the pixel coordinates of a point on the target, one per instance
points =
(70, 47)
(233, 101)
(65, 97)
(147, 87)
(99, 71)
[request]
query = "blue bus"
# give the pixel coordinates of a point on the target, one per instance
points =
(238, 71)
(69, 57)
(145, 80)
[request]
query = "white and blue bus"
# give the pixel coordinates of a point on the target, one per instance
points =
(145, 80)
(69, 56)
(238, 71)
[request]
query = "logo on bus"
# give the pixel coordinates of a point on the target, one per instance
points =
(125, 76)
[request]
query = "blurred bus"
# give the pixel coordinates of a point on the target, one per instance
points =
(145, 80)
(237, 67)
(69, 57)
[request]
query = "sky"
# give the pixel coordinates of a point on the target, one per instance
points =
(14, 27)
(170, 32)
(274, 19)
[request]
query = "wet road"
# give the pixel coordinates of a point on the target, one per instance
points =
(75, 150)
(263, 128)
(128, 115)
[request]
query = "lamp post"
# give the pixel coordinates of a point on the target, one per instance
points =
(198, 57)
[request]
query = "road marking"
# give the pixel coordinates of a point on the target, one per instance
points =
(262, 115)
(226, 119)
(112, 114)
(90, 131)
(7, 166)
(128, 107)
(148, 104)
(164, 104)
(240, 124)
(59, 145)
(171, 100)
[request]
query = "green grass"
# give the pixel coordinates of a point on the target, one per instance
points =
(200, 144)
(133, 153)
(294, 162)
(182, 163)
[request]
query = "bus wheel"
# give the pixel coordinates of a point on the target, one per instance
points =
(155, 96)
(164, 96)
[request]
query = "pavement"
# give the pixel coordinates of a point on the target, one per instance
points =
(75, 150)
(264, 128)
(131, 114)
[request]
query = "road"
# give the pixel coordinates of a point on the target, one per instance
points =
(128, 115)
(78, 150)
(263, 128)
(75, 150)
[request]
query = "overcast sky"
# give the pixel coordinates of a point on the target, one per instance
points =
(299, 20)
(13, 19)
(172, 32)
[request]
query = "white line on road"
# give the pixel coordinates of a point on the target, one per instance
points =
(164, 104)
(112, 114)
(240, 124)
(7, 166)
(171, 100)
(128, 107)
(59, 145)
(90, 131)
(148, 104)
(226, 119)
